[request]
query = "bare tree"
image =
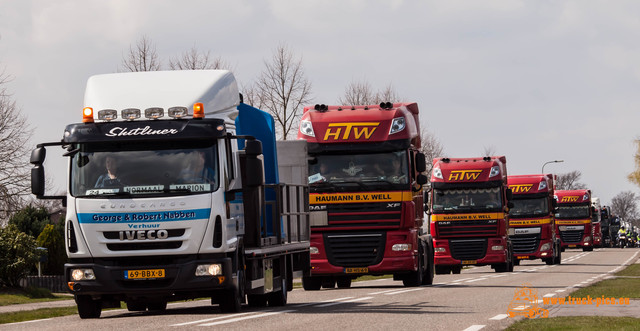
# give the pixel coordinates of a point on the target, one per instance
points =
(431, 148)
(570, 181)
(142, 57)
(195, 60)
(14, 165)
(634, 177)
(361, 93)
(625, 205)
(282, 89)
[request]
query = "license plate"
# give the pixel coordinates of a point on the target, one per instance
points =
(356, 270)
(522, 257)
(573, 246)
(144, 274)
(469, 261)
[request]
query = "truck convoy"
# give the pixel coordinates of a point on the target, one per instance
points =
(531, 220)
(469, 203)
(573, 219)
(366, 198)
(178, 190)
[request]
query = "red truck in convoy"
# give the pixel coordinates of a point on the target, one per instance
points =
(469, 213)
(573, 219)
(366, 198)
(532, 221)
(596, 223)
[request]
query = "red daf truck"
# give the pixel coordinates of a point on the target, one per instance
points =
(596, 222)
(573, 219)
(366, 198)
(531, 220)
(469, 213)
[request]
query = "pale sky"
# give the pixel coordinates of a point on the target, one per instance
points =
(533, 80)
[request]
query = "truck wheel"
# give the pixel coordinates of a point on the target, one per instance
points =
(550, 261)
(427, 279)
(328, 283)
(344, 282)
(558, 259)
(231, 299)
(279, 298)
(414, 278)
(257, 300)
(136, 305)
(516, 262)
(587, 249)
(442, 270)
(456, 269)
(310, 283)
(87, 307)
(157, 306)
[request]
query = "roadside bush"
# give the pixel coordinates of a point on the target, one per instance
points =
(30, 220)
(38, 292)
(52, 239)
(17, 255)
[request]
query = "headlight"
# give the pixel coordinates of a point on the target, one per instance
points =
(437, 173)
(397, 125)
(314, 250)
(545, 247)
(495, 170)
(306, 128)
(209, 269)
(497, 248)
(587, 238)
(401, 247)
(440, 250)
(82, 274)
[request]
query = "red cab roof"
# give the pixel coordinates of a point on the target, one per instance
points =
(531, 184)
(573, 196)
(469, 170)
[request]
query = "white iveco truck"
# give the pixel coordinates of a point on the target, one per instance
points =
(178, 190)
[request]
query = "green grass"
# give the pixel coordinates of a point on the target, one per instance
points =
(12, 296)
(578, 323)
(30, 315)
(615, 288)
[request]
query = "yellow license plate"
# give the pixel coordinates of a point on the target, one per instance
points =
(522, 257)
(144, 274)
(356, 270)
(469, 261)
(573, 246)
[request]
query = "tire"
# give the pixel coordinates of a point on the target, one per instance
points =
(587, 249)
(157, 306)
(414, 278)
(516, 262)
(136, 306)
(550, 261)
(257, 300)
(456, 270)
(87, 307)
(310, 283)
(427, 279)
(279, 298)
(328, 283)
(231, 299)
(558, 259)
(344, 282)
(442, 270)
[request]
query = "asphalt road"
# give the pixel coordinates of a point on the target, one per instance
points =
(478, 298)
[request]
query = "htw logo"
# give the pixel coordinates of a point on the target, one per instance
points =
(523, 188)
(460, 175)
(569, 199)
(359, 130)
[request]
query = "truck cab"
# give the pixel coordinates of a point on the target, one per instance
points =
(573, 219)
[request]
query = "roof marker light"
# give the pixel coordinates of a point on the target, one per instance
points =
(130, 114)
(154, 113)
(178, 112)
(107, 114)
(87, 115)
(198, 110)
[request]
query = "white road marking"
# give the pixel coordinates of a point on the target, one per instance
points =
(246, 318)
(341, 302)
(404, 291)
(474, 328)
(499, 317)
(212, 319)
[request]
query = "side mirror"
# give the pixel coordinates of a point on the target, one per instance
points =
(421, 179)
(509, 195)
(510, 204)
(254, 169)
(38, 155)
(421, 163)
(37, 180)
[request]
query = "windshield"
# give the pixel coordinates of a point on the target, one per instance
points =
(480, 199)
(143, 169)
(362, 169)
(530, 207)
(572, 212)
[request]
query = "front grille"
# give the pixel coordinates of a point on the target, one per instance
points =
(571, 236)
(479, 228)
(525, 243)
(145, 246)
(355, 250)
(468, 249)
(370, 215)
(129, 244)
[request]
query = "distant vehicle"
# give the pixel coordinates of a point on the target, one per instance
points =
(573, 219)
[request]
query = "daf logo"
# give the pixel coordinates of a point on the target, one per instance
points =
(317, 208)
(393, 205)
